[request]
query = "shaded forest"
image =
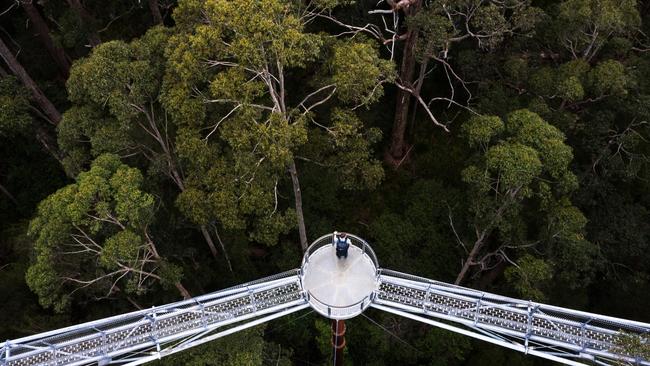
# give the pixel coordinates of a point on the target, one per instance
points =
(158, 150)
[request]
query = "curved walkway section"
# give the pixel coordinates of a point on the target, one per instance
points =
(339, 288)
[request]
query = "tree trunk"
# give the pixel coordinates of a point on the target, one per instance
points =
(48, 142)
(156, 256)
(397, 146)
(223, 249)
(470, 260)
(155, 12)
(8, 194)
(298, 199)
(208, 239)
(418, 87)
(186, 294)
(175, 174)
(88, 20)
(487, 230)
(58, 54)
(48, 108)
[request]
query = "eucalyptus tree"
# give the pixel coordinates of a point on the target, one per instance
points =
(583, 27)
(116, 96)
(93, 235)
(237, 84)
(427, 32)
(520, 172)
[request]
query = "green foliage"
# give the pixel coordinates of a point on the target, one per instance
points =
(515, 164)
(237, 157)
(525, 169)
(120, 76)
(14, 108)
(358, 72)
(92, 235)
(481, 129)
(434, 28)
(516, 69)
(608, 78)
(197, 107)
(529, 277)
(633, 345)
(584, 25)
(238, 349)
(490, 22)
(570, 89)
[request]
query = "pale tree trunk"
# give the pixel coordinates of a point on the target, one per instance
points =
(482, 235)
(397, 146)
(418, 87)
(302, 231)
(186, 294)
(208, 239)
(176, 177)
(88, 20)
(57, 53)
(175, 172)
(223, 249)
(43, 102)
(154, 251)
(469, 262)
(155, 12)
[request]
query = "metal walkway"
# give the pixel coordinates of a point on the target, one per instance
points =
(145, 335)
(562, 335)
(551, 332)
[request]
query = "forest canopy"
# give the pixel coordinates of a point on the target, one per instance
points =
(162, 149)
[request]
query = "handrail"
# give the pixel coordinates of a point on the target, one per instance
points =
(328, 239)
(339, 312)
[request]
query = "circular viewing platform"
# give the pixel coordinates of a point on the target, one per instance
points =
(339, 288)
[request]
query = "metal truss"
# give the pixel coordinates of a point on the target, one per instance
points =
(567, 336)
(146, 335)
(551, 332)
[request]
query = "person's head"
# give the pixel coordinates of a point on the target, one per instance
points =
(343, 235)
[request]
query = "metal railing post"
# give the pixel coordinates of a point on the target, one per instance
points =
(7, 349)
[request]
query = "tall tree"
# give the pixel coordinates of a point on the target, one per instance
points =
(40, 26)
(131, 120)
(522, 164)
(88, 21)
(51, 114)
(427, 32)
(231, 86)
(94, 235)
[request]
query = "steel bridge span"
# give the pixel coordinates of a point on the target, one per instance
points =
(337, 289)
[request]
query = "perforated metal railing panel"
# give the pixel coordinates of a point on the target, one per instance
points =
(108, 339)
(555, 333)
(537, 326)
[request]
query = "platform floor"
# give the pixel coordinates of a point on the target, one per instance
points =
(339, 282)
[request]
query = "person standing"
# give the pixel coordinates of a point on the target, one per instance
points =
(342, 244)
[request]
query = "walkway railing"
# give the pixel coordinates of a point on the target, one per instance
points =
(339, 312)
(543, 330)
(328, 240)
(160, 329)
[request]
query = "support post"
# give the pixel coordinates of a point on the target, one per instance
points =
(338, 341)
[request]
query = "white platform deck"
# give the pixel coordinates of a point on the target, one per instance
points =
(339, 283)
